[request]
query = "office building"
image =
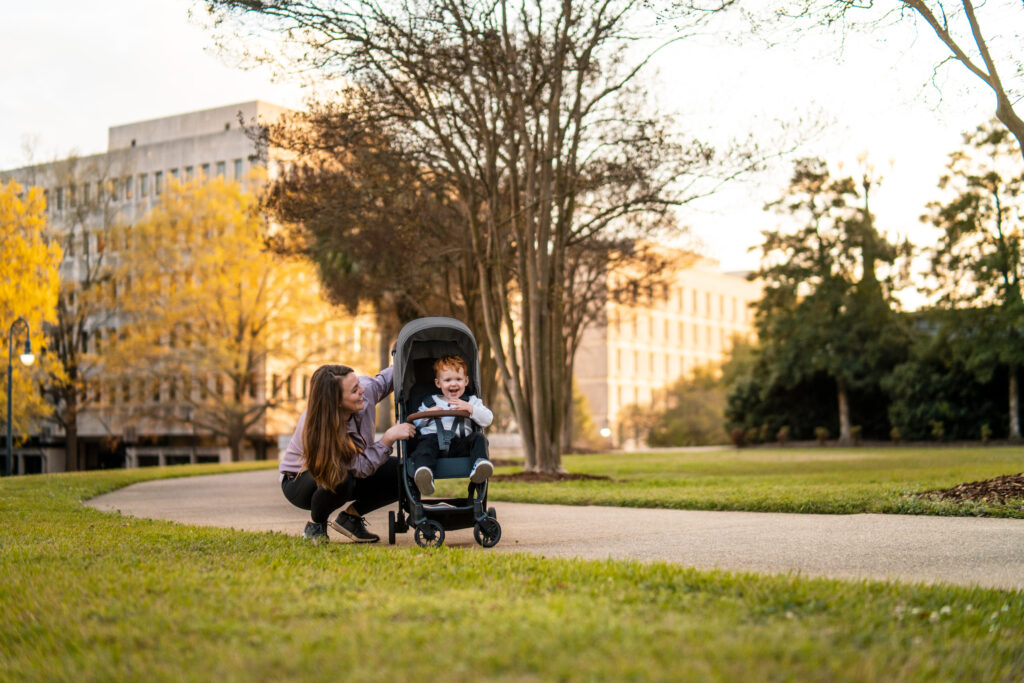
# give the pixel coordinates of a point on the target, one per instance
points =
(91, 194)
(644, 347)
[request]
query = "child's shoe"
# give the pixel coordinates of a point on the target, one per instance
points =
(424, 479)
(481, 470)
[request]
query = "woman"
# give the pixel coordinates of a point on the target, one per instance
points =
(332, 458)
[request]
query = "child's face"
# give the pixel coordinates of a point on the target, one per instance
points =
(452, 383)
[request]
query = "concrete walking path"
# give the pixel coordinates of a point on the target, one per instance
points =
(988, 552)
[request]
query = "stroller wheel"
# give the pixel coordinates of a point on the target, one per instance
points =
(429, 534)
(391, 527)
(488, 532)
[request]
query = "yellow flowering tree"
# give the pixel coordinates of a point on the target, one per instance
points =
(215, 328)
(28, 289)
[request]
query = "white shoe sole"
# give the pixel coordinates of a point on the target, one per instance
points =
(424, 479)
(481, 472)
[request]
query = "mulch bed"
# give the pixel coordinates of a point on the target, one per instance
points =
(998, 490)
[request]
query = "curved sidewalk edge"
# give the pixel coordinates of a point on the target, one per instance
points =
(987, 552)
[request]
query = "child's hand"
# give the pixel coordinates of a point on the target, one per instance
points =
(459, 404)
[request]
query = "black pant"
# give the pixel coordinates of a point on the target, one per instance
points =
(427, 451)
(373, 492)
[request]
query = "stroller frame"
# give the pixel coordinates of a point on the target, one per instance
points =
(420, 342)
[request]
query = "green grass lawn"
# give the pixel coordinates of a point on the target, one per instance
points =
(821, 480)
(86, 595)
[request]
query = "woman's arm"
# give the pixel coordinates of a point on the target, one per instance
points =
(377, 453)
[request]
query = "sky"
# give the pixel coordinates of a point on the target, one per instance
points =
(74, 69)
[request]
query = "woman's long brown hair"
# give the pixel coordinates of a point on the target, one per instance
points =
(327, 447)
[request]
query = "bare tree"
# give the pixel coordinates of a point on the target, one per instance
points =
(85, 199)
(535, 116)
(981, 37)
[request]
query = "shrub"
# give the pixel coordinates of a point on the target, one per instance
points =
(736, 436)
(986, 433)
(821, 434)
(750, 436)
(855, 434)
(782, 436)
(896, 435)
(938, 430)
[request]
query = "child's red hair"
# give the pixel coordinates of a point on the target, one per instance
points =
(450, 363)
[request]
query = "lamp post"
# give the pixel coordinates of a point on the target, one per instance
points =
(27, 358)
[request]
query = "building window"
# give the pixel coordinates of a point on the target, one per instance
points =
(238, 169)
(205, 170)
(159, 183)
(144, 184)
(60, 198)
(220, 168)
(188, 172)
(128, 189)
(707, 304)
(174, 173)
(693, 309)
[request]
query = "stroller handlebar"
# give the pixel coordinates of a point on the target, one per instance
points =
(437, 413)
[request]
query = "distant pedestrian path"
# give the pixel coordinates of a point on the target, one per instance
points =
(957, 550)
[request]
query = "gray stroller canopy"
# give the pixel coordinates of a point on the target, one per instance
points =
(431, 338)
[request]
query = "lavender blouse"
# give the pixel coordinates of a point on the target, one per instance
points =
(362, 427)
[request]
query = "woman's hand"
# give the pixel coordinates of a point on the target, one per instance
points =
(398, 432)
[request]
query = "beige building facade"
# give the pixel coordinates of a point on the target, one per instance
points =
(118, 187)
(691, 322)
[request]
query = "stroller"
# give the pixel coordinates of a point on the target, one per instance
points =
(420, 343)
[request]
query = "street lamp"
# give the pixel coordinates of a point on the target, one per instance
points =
(27, 358)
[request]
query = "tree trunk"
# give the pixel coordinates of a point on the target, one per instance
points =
(1014, 405)
(235, 444)
(71, 446)
(845, 438)
(385, 324)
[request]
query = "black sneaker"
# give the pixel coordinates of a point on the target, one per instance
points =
(353, 527)
(315, 532)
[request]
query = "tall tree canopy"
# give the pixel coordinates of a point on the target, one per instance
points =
(380, 228)
(828, 304)
(214, 327)
(978, 262)
(28, 290)
(533, 116)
